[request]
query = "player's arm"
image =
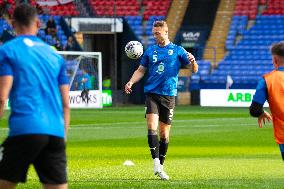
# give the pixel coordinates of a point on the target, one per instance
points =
(137, 75)
(5, 87)
(64, 90)
(188, 60)
(6, 80)
(256, 107)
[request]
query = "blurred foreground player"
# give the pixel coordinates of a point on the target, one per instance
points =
(34, 77)
(271, 88)
(162, 63)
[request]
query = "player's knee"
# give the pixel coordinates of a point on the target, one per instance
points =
(152, 126)
(152, 132)
(165, 134)
(165, 140)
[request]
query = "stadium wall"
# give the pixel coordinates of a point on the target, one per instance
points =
(196, 26)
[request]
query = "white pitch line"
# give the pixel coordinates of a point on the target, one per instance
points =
(144, 127)
(94, 127)
(175, 121)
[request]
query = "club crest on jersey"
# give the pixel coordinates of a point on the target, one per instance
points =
(161, 68)
(170, 52)
(28, 42)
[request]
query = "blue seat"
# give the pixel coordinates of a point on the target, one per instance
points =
(41, 33)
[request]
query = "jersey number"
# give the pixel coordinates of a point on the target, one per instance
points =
(155, 58)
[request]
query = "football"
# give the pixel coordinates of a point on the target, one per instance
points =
(134, 49)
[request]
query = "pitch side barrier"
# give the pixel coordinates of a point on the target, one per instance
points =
(227, 97)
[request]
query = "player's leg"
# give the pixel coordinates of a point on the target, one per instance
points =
(281, 146)
(153, 141)
(167, 104)
(83, 95)
(50, 164)
(55, 186)
(152, 126)
(12, 168)
(87, 95)
(164, 141)
(4, 184)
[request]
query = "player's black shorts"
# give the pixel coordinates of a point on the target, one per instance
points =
(161, 105)
(45, 152)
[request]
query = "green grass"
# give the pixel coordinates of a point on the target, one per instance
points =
(209, 148)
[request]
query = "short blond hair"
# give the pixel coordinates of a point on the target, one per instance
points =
(160, 23)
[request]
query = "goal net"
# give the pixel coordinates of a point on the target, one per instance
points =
(85, 74)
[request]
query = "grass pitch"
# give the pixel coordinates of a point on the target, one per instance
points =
(209, 148)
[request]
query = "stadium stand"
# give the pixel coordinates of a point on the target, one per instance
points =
(59, 40)
(60, 34)
(155, 8)
(214, 50)
(175, 16)
(274, 7)
(247, 8)
(135, 22)
(4, 26)
(114, 8)
(139, 15)
(248, 56)
(68, 9)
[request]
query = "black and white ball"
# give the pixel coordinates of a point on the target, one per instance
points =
(134, 49)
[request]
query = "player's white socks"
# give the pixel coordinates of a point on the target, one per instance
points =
(159, 170)
(157, 166)
(162, 174)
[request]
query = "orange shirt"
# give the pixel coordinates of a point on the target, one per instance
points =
(275, 88)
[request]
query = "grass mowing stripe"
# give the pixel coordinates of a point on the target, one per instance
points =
(176, 126)
(174, 121)
(210, 148)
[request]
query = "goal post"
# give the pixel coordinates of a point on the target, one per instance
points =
(78, 65)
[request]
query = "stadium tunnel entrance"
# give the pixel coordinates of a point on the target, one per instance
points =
(116, 66)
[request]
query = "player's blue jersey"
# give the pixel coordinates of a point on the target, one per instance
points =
(86, 84)
(163, 64)
(35, 99)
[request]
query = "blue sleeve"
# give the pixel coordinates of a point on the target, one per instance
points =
(5, 65)
(62, 77)
(145, 59)
(260, 95)
(87, 76)
(183, 56)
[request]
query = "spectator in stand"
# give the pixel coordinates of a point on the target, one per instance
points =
(18, 2)
(51, 27)
(70, 45)
(56, 43)
(4, 9)
(39, 9)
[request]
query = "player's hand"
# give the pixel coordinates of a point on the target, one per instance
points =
(265, 116)
(194, 65)
(127, 88)
(190, 57)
